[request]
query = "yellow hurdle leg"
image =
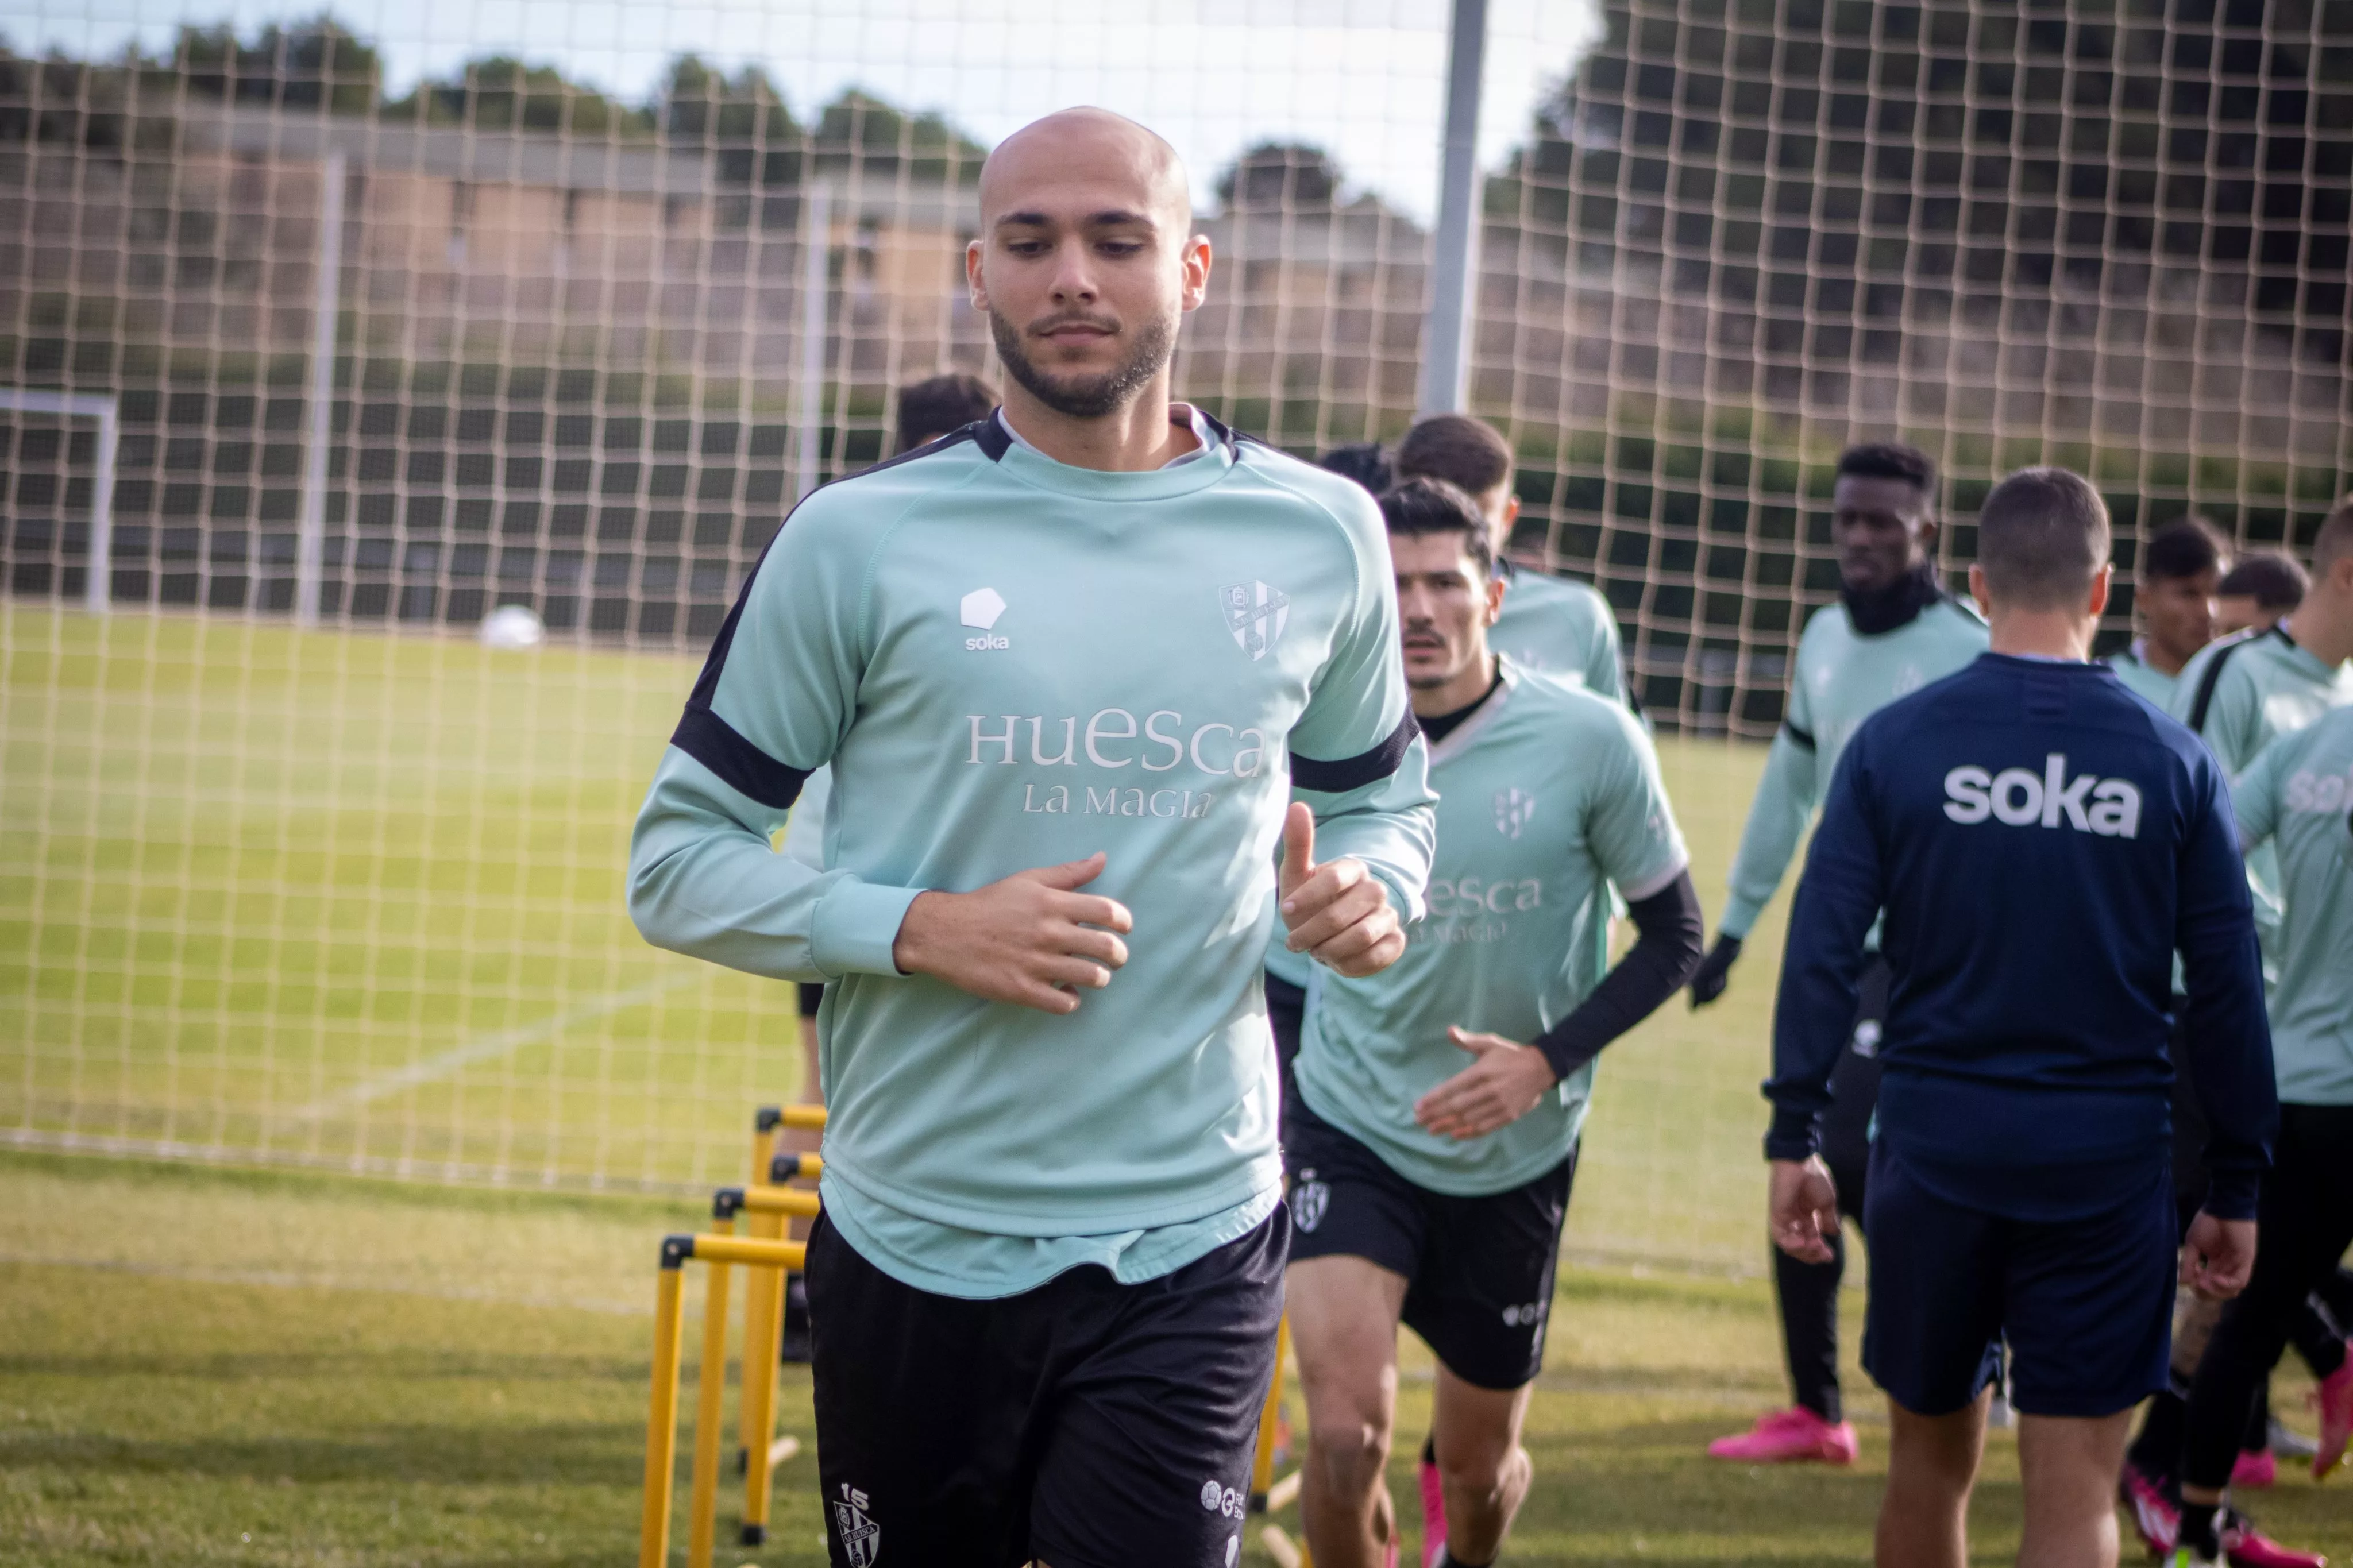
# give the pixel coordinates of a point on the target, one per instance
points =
(764, 1330)
(661, 1416)
(711, 1385)
(1270, 1414)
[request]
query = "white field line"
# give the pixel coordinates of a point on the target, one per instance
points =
(490, 1046)
(285, 1281)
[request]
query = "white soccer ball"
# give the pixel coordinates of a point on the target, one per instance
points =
(513, 626)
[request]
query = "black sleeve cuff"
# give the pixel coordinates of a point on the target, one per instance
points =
(1794, 1135)
(2232, 1194)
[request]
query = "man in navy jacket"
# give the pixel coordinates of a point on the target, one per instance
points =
(2042, 842)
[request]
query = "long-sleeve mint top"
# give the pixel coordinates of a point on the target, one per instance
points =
(1009, 663)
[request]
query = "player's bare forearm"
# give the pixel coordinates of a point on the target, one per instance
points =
(1506, 1081)
(1031, 939)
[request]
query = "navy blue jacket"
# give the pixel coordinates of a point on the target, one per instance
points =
(2042, 841)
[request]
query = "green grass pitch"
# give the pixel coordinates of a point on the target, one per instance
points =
(318, 908)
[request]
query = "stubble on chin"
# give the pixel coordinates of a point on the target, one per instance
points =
(1085, 397)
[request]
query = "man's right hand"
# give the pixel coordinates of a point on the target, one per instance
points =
(1707, 981)
(1802, 1207)
(2217, 1256)
(1031, 939)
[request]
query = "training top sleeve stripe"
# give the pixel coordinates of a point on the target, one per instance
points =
(1357, 772)
(740, 765)
(2212, 678)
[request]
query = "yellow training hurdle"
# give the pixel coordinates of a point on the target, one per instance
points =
(662, 1418)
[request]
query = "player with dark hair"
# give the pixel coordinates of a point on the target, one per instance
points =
(1555, 625)
(1893, 630)
(2037, 844)
(2240, 695)
(1079, 668)
(2298, 797)
(2180, 572)
(2254, 594)
(931, 409)
(1363, 461)
(1432, 1123)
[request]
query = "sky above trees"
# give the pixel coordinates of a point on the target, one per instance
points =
(1362, 77)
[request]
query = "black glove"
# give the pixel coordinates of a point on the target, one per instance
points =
(1708, 983)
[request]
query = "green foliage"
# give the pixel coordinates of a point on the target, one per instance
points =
(317, 65)
(499, 92)
(1284, 176)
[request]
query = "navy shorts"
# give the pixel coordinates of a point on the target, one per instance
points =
(2086, 1305)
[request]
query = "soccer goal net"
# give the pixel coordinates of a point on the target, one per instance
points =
(404, 316)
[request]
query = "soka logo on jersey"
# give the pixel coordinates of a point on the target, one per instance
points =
(2018, 799)
(980, 609)
(1256, 614)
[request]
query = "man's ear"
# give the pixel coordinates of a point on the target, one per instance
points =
(2101, 581)
(975, 284)
(1496, 586)
(1977, 591)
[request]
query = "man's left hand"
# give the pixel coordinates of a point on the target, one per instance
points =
(1338, 914)
(1493, 1092)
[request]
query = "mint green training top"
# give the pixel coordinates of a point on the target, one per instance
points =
(1547, 794)
(2132, 667)
(1556, 625)
(1560, 627)
(2297, 796)
(1010, 663)
(2240, 694)
(1840, 679)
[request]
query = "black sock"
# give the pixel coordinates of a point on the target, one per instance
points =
(1446, 1559)
(1429, 1450)
(2201, 1529)
(2157, 1452)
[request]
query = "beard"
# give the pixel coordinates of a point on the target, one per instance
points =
(1087, 396)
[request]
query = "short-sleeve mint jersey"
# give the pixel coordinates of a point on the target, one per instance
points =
(1010, 663)
(1547, 797)
(1551, 625)
(2297, 796)
(1840, 679)
(2241, 693)
(2132, 667)
(1561, 628)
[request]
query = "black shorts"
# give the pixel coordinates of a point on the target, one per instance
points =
(2086, 1306)
(1085, 1423)
(1478, 1270)
(812, 998)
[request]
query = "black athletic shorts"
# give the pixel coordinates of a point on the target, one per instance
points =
(1085, 1423)
(812, 998)
(1479, 1271)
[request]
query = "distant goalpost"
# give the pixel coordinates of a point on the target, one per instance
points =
(96, 591)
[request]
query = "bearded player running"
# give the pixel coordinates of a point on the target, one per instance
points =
(1056, 661)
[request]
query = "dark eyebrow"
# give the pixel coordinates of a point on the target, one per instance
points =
(1112, 218)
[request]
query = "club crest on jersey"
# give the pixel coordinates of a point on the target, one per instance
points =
(1256, 614)
(1309, 1200)
(861, 1538)
(1513, 809)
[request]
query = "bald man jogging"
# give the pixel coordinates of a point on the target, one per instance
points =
(2042, 842)
(1077, 668)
